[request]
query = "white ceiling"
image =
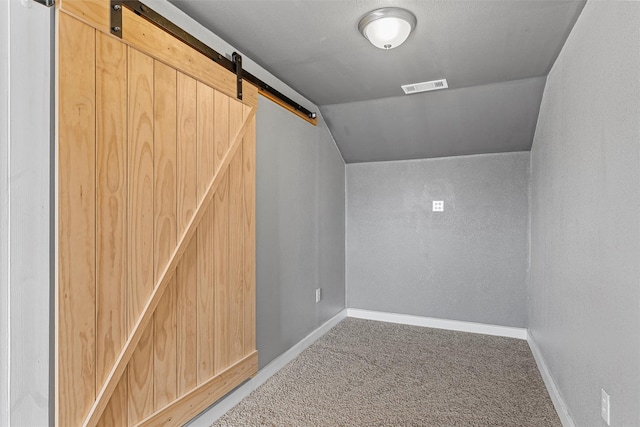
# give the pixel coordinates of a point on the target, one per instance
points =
(493, 54)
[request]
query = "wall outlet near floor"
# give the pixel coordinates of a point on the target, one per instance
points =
(438, 206)
(605, 407)
(318, 294)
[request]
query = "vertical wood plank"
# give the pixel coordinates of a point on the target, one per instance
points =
(205, 137)
(186, 273)
(236, 255)
(187, 164)
(165, 349)
(205, 299)
(165, 140)
(141, 233)
(236, 118)
(236, 241)
(249, 201)
(221, 255)
(205, 264)
(140, 182)
(221, 126)
(111, 215)
(76, 370)
(186, 286)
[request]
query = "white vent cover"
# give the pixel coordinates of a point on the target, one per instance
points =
(425, 86)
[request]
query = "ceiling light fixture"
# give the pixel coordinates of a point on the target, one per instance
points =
(388, 27)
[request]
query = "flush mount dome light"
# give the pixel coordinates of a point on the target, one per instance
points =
(388, 27)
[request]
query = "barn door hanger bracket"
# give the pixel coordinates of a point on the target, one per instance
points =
(237, 60)
(115, 25)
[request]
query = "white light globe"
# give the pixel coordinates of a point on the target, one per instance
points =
(387, 33)
(388, 27)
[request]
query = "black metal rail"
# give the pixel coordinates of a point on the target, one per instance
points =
(235, 66)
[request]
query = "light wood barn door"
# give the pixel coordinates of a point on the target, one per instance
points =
(155, 297)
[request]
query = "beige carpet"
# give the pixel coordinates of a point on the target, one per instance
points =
(366, 373)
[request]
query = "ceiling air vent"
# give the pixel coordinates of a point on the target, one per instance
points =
(425, 86)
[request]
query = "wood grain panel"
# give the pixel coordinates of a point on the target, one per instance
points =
(141, 227)
(236, 117)
(187, 164)
(205, 137)
(235, 302)
(111, 216)
(151, 297)
(173, 52)
(206, 310)
(186, 273)
(187, 358)
(93, 12)
(76, 361)
(139, 328)
(165, 140)
(165, 349)
(221, 253)
(141, 378)
(141, 176)
(221, 127)
(116, 413)
(193, 403)
(205, 295)
(249, 259)
(111, 201)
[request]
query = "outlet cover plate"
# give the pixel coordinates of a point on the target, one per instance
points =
(318, 294)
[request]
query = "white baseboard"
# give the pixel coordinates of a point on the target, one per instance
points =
(552, 388)
(432, 322)
(211, 415)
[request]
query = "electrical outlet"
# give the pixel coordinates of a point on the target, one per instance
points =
(318, 294)
(605, 407)
(438, 205)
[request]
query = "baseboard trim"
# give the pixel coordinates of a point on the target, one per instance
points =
(432, 322)
(552, 388)
(211, 415)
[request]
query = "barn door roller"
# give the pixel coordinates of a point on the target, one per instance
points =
(234, 65)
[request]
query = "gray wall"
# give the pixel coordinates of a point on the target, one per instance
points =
(25, 155)
(300, 223)
(585, 237)
(4, 214)
(466, 263)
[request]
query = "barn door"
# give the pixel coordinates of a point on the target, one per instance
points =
(155, 308)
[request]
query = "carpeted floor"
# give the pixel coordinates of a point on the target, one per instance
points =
(367, 373)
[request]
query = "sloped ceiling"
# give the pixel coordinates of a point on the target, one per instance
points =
(494, 54)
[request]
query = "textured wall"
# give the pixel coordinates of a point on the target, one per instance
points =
(300, 229)
(25, 156)
(4, 213)
(585, 197)
(466, 263)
